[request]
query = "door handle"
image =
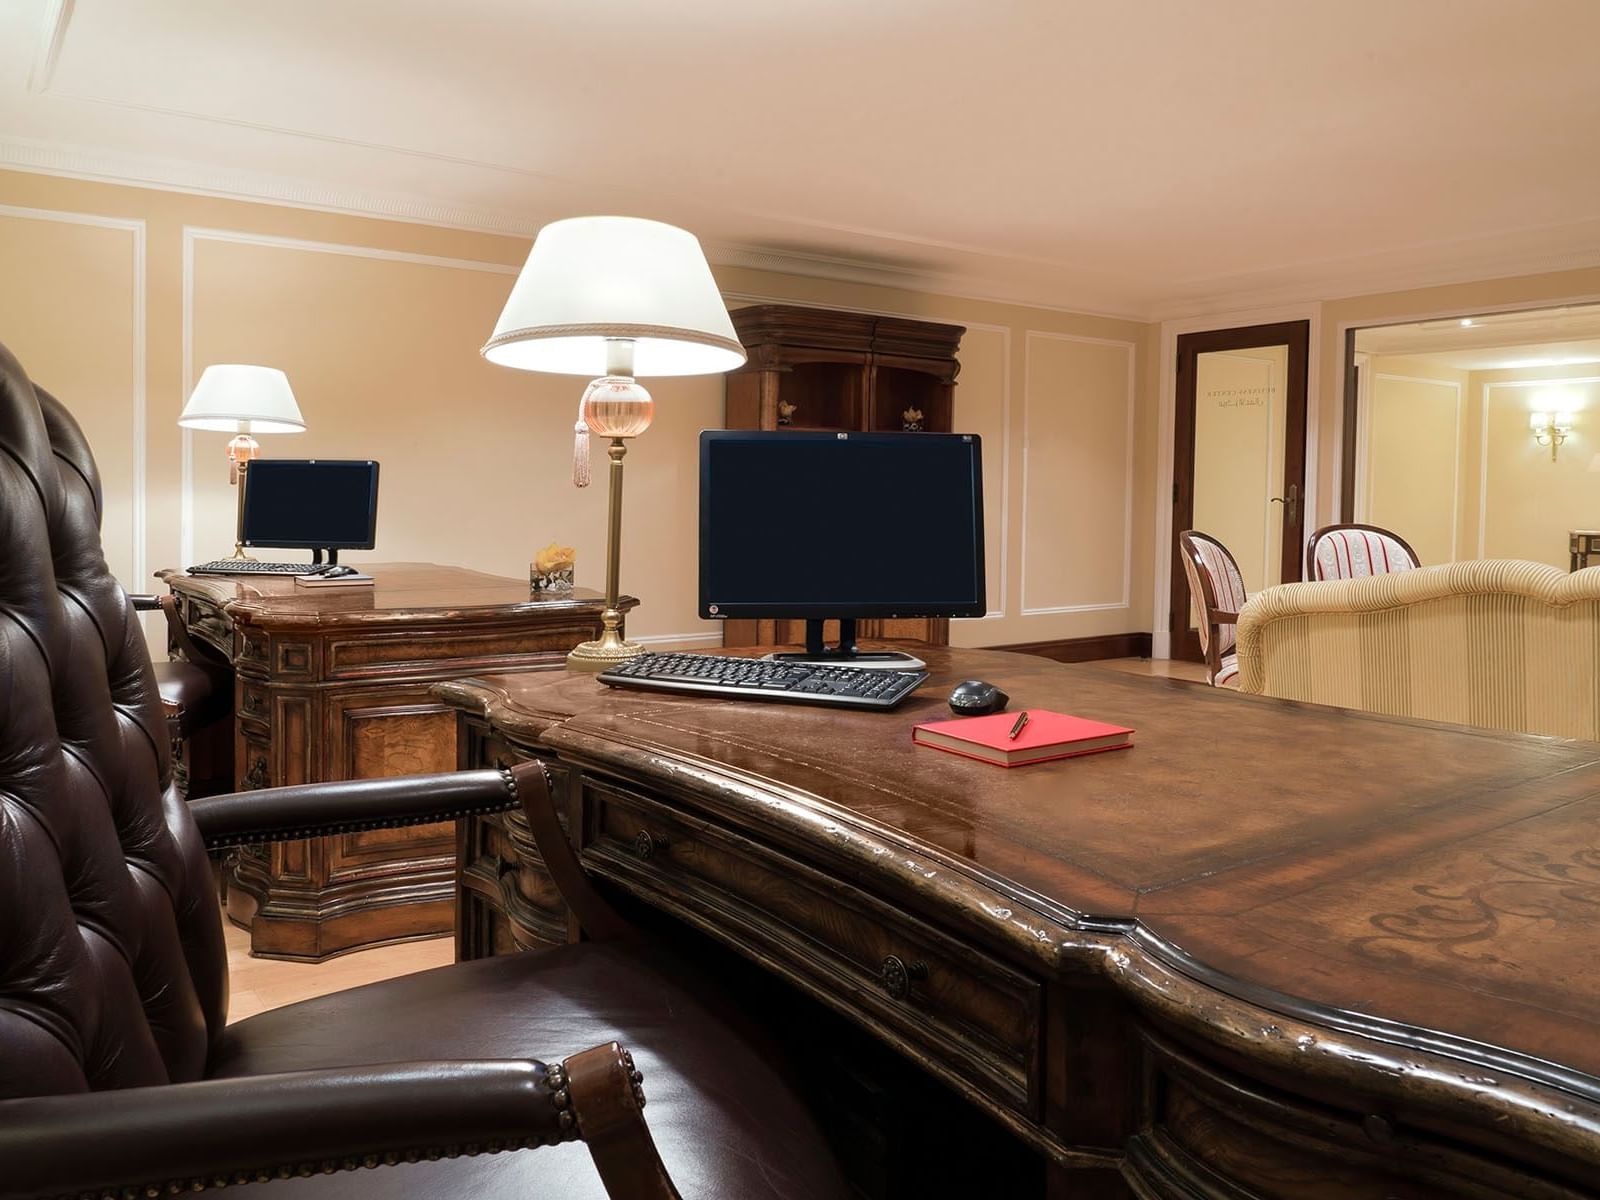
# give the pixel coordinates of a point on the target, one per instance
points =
(1291, 503)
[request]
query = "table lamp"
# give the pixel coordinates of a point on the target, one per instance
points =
(614, 297)
(242, 400)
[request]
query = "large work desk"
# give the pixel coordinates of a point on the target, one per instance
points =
(1274, 950)
(332, 683)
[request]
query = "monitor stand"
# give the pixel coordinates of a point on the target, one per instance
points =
(316, 557)
(845, 653)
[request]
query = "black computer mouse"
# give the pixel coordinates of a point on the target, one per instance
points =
(974, 698)
(339, 571)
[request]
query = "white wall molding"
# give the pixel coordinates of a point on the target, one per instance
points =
(192, 236)
(139, 417)
(711, 638)
(1483, 456)
(1131, 404)
(1166, 410)
(1363, 429)
(1363, 418)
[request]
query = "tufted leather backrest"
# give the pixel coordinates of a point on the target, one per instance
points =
(112, 971)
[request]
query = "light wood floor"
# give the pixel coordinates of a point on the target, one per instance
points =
(260, 984)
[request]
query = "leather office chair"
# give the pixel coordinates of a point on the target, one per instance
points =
(197, 693)
(1218, 591)
(118, 1074)
(1352, 551)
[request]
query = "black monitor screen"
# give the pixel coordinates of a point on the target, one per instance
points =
(311, 504)
(820, 525)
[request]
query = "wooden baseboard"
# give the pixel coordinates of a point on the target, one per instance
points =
(1086, 649)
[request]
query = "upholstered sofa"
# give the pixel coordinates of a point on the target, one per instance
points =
(1495, 643)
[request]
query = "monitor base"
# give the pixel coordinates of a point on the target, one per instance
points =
(817, 653)
(868, 660)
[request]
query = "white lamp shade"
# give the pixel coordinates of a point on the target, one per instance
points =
(236, 398)
(592, 279)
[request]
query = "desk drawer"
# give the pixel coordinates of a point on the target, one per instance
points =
(947, 1002)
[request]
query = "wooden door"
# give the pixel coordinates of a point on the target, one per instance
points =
(1239, 457)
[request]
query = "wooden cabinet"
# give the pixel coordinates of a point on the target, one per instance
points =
(333, 684)
(816, 369)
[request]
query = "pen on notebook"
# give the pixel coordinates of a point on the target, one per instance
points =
(1022, 719)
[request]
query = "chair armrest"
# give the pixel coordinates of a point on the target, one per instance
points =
(177, 632)
(1224, 618)
(284, 814)
(594, 912)
(220, 1131)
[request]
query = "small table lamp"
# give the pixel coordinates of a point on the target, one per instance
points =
(614, 297)
(242, 400)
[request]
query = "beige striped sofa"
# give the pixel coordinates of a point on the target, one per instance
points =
(1496, 643)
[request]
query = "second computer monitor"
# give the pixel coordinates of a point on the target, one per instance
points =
(310, 504)
(819, 526)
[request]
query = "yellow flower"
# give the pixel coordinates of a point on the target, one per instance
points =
(554, 558)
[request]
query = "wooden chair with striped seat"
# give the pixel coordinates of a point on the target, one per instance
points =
(1355, 551)
(1218, 591)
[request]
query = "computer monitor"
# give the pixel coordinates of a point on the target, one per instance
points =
(310, 504)
(840, 526)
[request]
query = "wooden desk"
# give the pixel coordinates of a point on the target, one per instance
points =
(1583, 547)
(332, 683)
(1274, 950)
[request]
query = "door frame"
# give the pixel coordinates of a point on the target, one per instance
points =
(1161, 558)
(1298, 453)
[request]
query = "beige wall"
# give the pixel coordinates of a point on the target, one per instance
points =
(1529, 503)
(131, 292)
(1449, 458)
(1414, 438)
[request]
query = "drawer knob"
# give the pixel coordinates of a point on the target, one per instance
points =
(645, 844)
(897, 974)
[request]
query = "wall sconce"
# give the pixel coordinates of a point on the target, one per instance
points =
(1550, 429)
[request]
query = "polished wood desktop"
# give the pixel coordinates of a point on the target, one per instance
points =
(1274, 950)
(332, 683)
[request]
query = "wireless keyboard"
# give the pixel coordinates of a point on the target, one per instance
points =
(764, 679)
(244, 566)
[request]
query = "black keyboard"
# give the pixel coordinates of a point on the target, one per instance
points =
(245, 566)
(765, 679)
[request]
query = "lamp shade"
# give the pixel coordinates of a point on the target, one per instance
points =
(235, 398)
(593, 279)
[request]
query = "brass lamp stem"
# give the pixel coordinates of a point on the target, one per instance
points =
(238, 555)
(610, 649)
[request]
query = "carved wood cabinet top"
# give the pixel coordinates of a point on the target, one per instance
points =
(1431, 888)
(401, 593)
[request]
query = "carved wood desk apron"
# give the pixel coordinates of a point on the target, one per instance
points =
(332, 683)
(1272, 950)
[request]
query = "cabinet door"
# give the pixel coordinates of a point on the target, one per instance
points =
(379, 734)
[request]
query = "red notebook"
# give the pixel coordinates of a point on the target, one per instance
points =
(1047, 735)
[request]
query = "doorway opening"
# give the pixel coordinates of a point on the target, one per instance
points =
(1476, 436)
(1239, 457)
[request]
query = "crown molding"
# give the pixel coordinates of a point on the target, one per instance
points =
(1546, 250)
(226, 183)
(1552, 249)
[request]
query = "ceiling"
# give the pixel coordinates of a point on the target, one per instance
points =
(1546, 337)
(1147, 158)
